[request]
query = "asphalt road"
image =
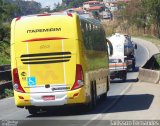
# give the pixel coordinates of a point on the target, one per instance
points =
(71, 116)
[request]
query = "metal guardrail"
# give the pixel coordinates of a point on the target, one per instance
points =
(5, 67)
(5, 78)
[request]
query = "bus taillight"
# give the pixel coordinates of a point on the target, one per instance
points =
(79, 78)
(70, 14)
(16, 82)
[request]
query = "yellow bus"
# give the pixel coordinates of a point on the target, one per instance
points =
(58, 60)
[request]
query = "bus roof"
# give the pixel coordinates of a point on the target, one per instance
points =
(91, 20)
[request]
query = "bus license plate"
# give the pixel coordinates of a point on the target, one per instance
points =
(48, 98)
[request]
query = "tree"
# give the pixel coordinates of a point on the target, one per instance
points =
(135, 13)
(6, 11)
(15, 8)
(70, 4)
(26, 7)
(152, 7)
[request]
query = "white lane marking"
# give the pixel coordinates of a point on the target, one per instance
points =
(108, 107)
(64, 65)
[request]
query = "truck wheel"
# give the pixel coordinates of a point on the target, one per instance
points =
(124, 78)
(33, 110)
(133, 65)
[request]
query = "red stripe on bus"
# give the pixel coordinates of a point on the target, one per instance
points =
(44, 39)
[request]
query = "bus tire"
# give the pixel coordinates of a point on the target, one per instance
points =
(33, 110)
(103, 97)
(93, 101)
(94, 95)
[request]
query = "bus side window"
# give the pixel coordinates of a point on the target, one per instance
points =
(99, 42)
(87, 35)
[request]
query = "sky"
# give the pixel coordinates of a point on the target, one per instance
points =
(49, 3)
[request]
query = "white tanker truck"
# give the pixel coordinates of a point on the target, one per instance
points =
(123, 58)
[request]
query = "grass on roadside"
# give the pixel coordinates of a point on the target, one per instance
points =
(4, 53)
(7, 93)
(152, 39)
(155, 41)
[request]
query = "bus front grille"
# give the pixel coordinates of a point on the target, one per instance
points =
(46, 58)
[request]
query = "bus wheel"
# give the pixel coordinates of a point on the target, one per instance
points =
(94, 95)
(103, 97)
(33, 110)
(93, 102)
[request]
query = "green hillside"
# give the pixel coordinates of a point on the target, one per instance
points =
(4, 53)
(10, 9)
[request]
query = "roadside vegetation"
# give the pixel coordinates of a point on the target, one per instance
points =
(7, 93)
(10, 9)
(66, 4)
(152, 39)
(140, 17)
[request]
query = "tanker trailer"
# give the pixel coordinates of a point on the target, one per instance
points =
(124, 49)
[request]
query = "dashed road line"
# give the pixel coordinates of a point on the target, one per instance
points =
(98, 116)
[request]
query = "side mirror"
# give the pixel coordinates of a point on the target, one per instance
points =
(109, 47)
